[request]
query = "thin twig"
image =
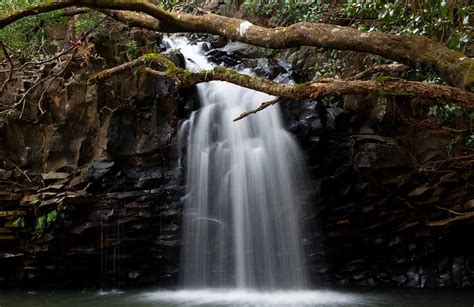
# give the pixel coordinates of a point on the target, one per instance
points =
(260, 108)
(57, 56)
(22, 100)
(42, 62)
(21, 171)
(7, 56)
(74, 49)
(450, 211)
(55, 76)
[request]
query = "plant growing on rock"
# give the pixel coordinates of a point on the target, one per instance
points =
(46, 221)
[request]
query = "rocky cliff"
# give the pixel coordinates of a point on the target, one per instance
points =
(91, 190)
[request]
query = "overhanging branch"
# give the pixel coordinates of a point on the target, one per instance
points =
(382, 86)
(416, 51)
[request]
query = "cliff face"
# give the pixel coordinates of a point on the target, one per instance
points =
(388, 199)
(104, 206)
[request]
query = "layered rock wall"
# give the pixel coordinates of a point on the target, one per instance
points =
(389, 195)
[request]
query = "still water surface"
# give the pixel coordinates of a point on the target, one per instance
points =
(215, 297)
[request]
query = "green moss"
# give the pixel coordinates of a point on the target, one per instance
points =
(186, 73)
(469, 79)
(302, 87)
(381, 80)
(150, 56)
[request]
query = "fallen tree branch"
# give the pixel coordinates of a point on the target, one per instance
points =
(416, 51)
(381, 86)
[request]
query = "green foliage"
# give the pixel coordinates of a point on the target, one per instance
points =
(35, 201)
(448, 112)
(470, 140)
(51, 216)
(168, 4)
(87, 22)
(19, 222)
(451, 145)
(40, 224)
(443, 20)
(46, 221)
(329, 69)
(27, 35)
(132, 51)
(287, 12)
(445, 110)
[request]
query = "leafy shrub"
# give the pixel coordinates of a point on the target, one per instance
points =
(27, 35)
(442, 20)
(287, 12)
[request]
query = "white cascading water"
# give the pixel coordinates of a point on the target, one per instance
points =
(242, 242)
(241, 225)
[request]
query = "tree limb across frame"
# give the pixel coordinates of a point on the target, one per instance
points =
(314, 89)
(416, 51)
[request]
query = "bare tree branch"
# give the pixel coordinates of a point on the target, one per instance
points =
(10, 75)
(54, 77)
(57, 56)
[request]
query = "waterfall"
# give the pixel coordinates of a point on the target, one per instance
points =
(241, 223)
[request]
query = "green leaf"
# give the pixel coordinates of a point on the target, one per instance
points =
(443, 9)
(40, 224)
(19, 222)
(35, 201)
(52, 216)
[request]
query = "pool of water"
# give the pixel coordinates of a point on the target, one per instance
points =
(220, 297)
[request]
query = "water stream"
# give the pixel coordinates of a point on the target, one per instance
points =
(242, 224)
(208, 298)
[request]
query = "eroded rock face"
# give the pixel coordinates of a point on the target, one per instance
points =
(385, 194)
(106, 206)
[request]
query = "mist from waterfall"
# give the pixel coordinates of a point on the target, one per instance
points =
(241, 223)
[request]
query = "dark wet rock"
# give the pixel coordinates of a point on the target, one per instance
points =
(376, 196)
(104, 161)
(223, 57)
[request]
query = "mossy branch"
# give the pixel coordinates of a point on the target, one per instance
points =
(416, 51)
(389, 86)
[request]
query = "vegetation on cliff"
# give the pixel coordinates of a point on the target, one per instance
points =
(419, 52)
